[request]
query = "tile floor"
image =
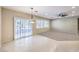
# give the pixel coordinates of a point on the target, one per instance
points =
(36, 43)
(42, 43)
(61, 36)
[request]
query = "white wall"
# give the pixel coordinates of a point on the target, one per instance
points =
(68, 25)
(0, 26)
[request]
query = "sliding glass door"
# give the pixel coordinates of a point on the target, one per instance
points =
(22, 27)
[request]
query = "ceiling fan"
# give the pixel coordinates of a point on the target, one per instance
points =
(62, 14)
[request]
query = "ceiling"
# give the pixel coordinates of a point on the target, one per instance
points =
(50, 12)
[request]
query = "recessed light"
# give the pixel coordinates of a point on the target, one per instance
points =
(73, 7)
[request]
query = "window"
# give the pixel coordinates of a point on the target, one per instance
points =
(42, 23)
(23, 27)
(46, 24)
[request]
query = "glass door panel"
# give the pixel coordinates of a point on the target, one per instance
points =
(23, 28)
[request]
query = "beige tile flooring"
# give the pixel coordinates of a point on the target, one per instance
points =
(36, 43)
(61, 36)
(40, 43)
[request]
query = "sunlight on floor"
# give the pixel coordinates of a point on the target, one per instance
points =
(40, 43)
